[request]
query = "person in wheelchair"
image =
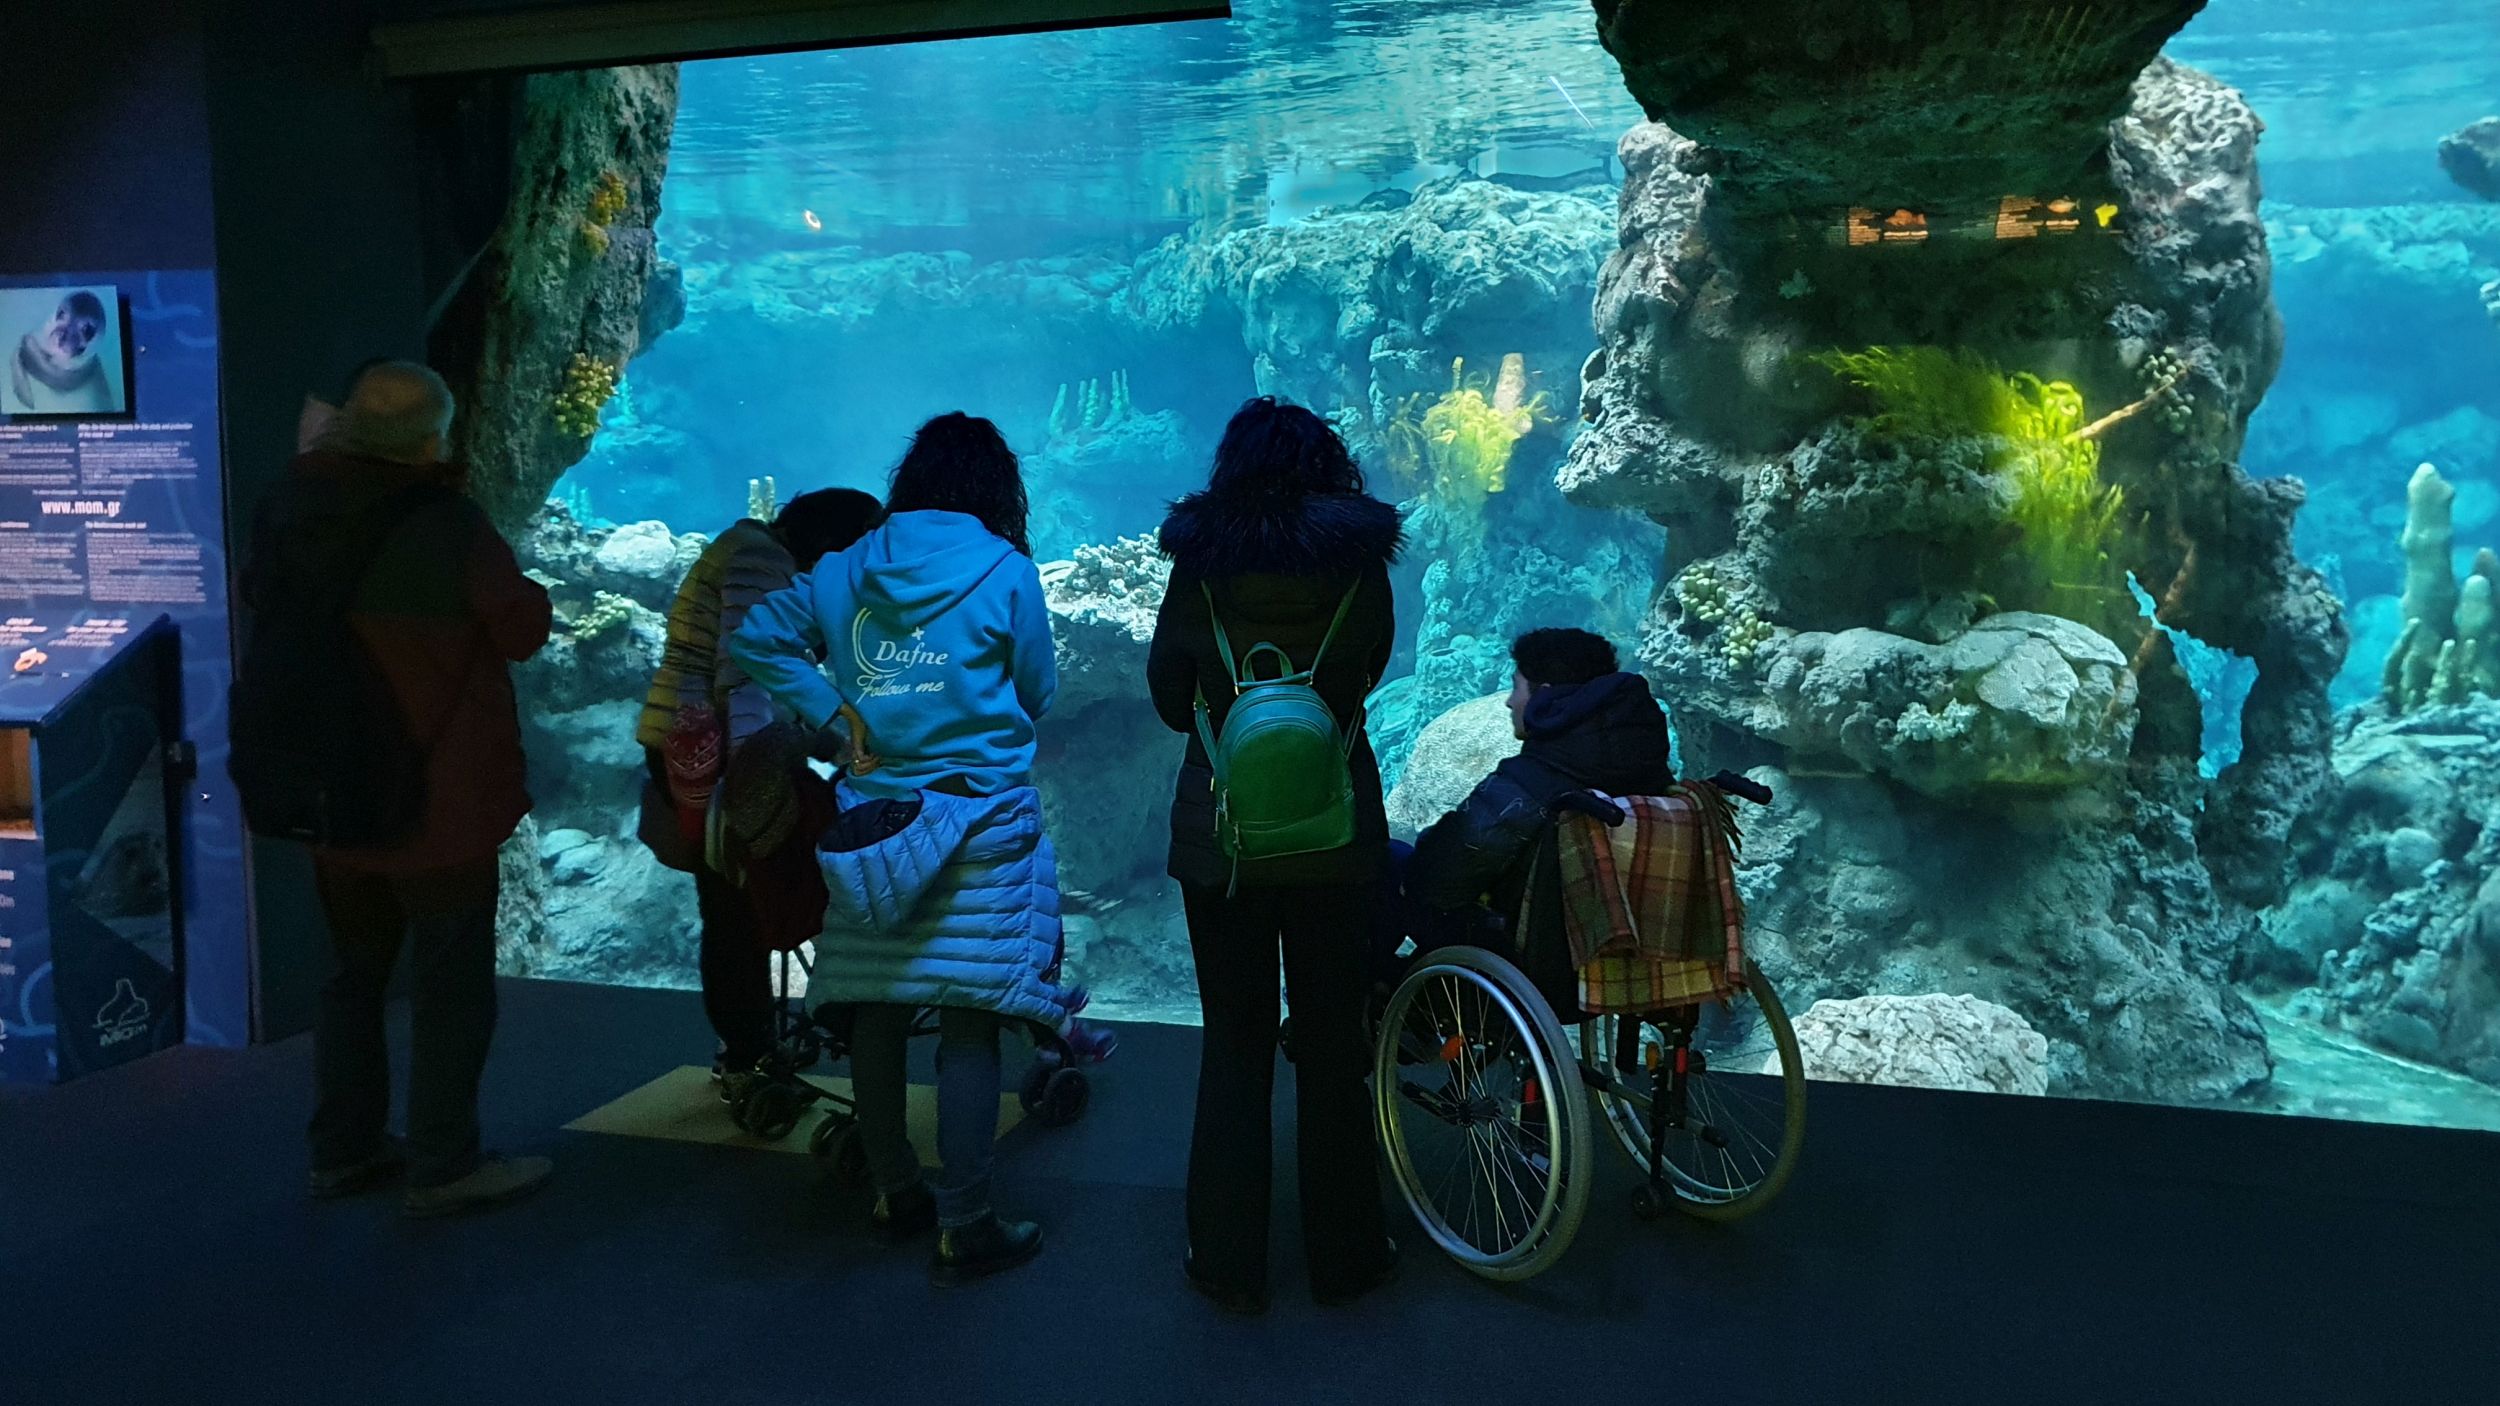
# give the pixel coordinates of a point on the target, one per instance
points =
(1583, 725)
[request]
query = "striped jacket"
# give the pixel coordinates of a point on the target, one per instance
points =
(744, 565)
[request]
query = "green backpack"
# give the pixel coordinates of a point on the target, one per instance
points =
(1283, 784)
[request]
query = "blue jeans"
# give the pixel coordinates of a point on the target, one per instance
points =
(968, 1074)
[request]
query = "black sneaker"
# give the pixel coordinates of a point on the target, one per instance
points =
(1249, 1303)
(903, 1215)
(988, 1245)
(1377, 1279)
(386, 1165)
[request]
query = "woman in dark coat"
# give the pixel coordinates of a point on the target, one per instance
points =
(1279, 538)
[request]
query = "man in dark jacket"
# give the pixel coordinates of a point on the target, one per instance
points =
(1583, 725)
(445, 611)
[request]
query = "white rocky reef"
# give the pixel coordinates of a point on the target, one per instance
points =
(1922, 1042)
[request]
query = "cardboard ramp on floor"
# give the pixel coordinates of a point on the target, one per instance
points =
(682, 1106)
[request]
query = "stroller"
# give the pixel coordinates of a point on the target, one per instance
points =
(762, 824)
(771, 1104)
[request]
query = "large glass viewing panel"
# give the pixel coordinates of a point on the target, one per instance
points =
(1968, 516)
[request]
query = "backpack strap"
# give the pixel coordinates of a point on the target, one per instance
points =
(1344, 607)
(1223, 642)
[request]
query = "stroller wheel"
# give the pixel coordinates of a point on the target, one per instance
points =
(772, 1111)
(1645, 1202)
(836, 1146)
(1057, 1097)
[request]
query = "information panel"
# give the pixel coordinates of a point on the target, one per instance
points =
(115, 515)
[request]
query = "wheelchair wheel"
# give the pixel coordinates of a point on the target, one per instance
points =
(1481, 1113)
(1745, 1102)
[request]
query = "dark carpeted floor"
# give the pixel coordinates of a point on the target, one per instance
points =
(1935, 1248)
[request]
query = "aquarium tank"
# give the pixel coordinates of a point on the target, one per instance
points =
(2055, 447)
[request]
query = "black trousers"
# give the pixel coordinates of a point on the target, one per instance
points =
(446, 919)
(735, 970)
(1325, 937)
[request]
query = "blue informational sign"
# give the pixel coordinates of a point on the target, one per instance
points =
(88, 713)
(115, 518)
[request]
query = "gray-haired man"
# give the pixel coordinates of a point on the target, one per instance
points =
(440, 607)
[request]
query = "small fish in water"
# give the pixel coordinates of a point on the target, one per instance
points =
(1797, 286)
(814, 225)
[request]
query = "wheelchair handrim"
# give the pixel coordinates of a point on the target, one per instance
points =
(1545, 1226)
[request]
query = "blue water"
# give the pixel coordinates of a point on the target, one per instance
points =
(871, 237)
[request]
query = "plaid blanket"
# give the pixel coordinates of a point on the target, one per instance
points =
(1650, 906)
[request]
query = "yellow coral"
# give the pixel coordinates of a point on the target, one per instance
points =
(607, 202)
(607, 611)
(588, 382)
(1709, 599)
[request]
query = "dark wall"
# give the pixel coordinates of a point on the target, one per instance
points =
(106, 163)
(317, 234)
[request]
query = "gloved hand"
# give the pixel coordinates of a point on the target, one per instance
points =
(1582, 803)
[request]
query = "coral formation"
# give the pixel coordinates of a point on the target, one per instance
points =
(529, 305)
(1095, 409)
(2393, 933)
(763, 498)
(583, 396)
(1931, 1041)
(1919, 725)
(2019, 701)
(607, 203)
(2448, 648)
(1365, 308)
(1710, 600)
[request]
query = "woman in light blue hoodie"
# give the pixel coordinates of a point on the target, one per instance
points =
(936, 651)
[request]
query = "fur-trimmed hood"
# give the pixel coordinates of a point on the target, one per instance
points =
(1319, 534)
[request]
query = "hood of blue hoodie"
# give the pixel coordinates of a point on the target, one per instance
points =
(918, 566)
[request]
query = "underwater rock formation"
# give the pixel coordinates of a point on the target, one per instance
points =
(1455, 751)
(1103, 604)
(564, 283)
(2471, 157)
(1816, 106)
(583, 900)
(2394, 932)
(1141, 456)
(1923, 1042)
(1105, 774)
(2105, 893)
(1367, 307)
(2018, 701)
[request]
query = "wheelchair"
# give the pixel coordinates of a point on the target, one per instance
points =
(1054, 1091)
(1489, 1108)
